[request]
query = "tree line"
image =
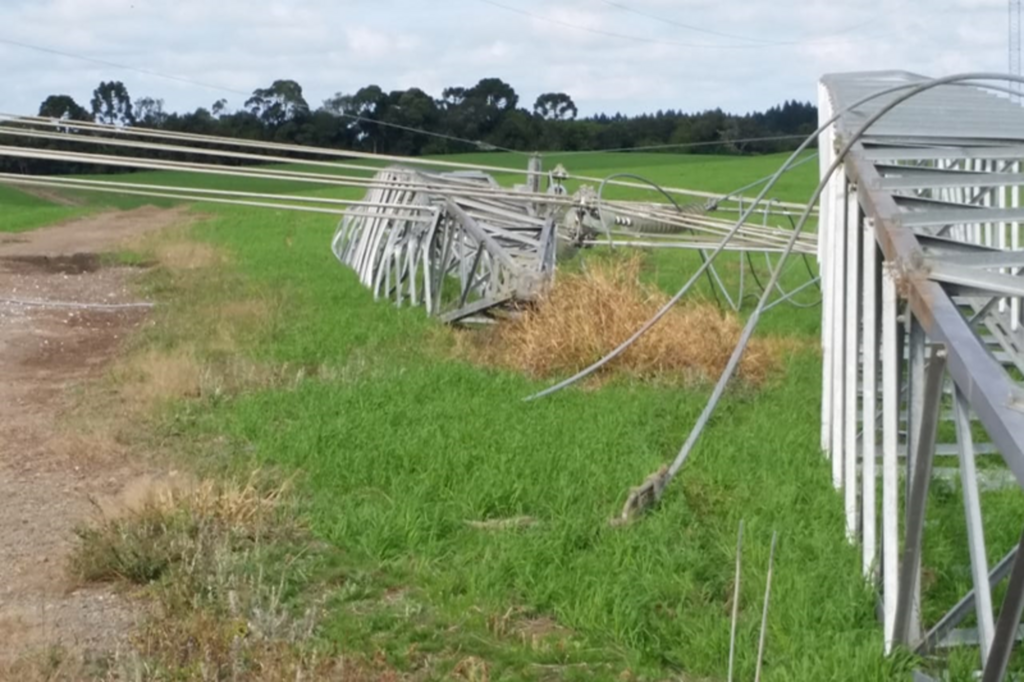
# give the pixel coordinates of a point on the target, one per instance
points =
(486, 116)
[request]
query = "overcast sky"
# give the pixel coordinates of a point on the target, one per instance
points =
(609, 55)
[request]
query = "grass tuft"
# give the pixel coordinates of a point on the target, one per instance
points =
(230, 569)
(588, 314)
(161, 526)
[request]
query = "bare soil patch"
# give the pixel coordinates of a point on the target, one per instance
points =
(53, 339)
(75, 264)
(93, 234)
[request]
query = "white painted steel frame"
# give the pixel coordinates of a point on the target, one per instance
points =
(901, 310)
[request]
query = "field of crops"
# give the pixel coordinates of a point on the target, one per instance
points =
(403, 444)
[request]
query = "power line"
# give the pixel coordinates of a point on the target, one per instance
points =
(648, 41)
(181, 79)
(671, 22)
(761, 41)
(453, 138)
(607, 34)
(125, 67)
(487, 146)
(684, 145)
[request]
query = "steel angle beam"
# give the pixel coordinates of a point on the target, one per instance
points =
(972, 281)
(1008, 625)
(941, 246)
(949, 231)
(965, 607)
(473, 255)
(936, 152)
(897, 178)
(983, 380)
(990, 258)
(472, 309)
(919, 203)
(951, 216)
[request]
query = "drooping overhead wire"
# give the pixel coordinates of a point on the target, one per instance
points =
(117, 137)
(479, 144)
(117, 65)
(656, 41)
(134, 149)
(611, 34)
(230, 198)
(684, 145)
(702, 29)
(679, 24)
(786, 166)
(751, 325)
(25, 126)
(909, 90)
(647, 326)
(760, 181)
(711, 273)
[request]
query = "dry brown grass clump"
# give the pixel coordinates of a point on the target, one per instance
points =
(172, 523)
(587, 315)
(218, 559)
(188, 255)
(154, 376)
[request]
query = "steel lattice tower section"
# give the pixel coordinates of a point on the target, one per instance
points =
(920, 243)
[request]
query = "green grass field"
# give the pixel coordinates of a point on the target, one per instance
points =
(400, 444)
(22, 211)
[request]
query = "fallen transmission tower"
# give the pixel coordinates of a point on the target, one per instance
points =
(427, 232)
(921, 260)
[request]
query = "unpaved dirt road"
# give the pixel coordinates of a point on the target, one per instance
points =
(52, 339)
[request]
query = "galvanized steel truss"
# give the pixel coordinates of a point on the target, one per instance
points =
(415, 232)
(497, 249)
(921, 266)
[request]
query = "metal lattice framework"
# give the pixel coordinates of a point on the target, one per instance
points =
(921, 265)
(428, 227)
(497, 249)
(428, 232)
(920, 262)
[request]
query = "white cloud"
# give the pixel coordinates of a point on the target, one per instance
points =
(331, 45)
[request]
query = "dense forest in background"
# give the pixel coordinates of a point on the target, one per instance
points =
(486, 116)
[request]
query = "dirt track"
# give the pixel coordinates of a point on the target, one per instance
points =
(53, 338)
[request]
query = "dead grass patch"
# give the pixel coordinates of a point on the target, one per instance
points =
(158, 525)
(200, 662)
(472, 669)
(155, 376)
(57, 664)
(534, 632)
(188, 255)
(587, 315)
(175, 249)
(198, 354)
(145, 491)
(218, 558)
(79, 442)
(230, 322)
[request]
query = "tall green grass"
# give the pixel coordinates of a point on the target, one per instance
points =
(20, 211)
(401, 444)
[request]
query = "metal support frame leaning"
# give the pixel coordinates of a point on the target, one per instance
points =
(924, 443)
(952, 264)
(1009, 622)
(975, 527)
